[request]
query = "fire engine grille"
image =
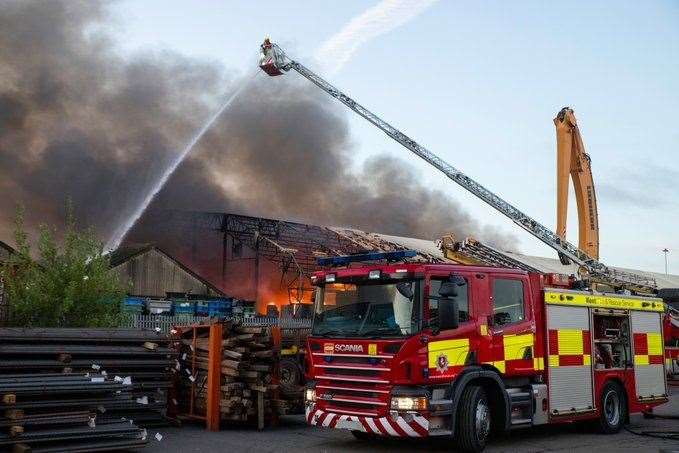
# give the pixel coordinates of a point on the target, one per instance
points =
(353, 372)
(353, 385)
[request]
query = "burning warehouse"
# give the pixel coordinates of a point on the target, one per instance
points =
(270, 261)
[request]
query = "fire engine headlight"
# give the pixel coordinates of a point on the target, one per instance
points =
(409, 403)
(310, 396)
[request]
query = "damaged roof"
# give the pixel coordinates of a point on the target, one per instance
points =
(293, 243)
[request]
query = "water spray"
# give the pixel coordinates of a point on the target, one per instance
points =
(121, 232)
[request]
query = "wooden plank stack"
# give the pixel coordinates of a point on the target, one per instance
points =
(248, 366)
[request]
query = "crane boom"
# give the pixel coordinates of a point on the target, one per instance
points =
(275, 62)
(572, 161)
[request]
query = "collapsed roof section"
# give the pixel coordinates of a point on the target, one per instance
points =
(296, 246)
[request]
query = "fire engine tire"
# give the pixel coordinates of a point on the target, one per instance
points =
(360, 435)
(291, 377)
(473, 419)
(613, 406)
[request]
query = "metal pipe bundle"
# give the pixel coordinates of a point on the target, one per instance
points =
(79, 389)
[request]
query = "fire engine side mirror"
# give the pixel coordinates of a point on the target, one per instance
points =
(449, 287)
(449, 310)
(449, 314)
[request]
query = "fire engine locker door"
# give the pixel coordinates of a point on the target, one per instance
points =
(569, 360)
(649, 371)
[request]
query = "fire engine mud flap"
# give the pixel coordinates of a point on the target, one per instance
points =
(465, 378)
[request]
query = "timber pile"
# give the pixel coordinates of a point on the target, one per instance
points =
(58, 412)
(248, 363)
(140, 360)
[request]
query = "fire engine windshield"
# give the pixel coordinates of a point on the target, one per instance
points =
(367, 309)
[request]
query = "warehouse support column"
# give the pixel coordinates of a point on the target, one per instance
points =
(256, 298)
(225, 243)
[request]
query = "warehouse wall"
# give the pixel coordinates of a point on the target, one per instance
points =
(153, 274)
(242, 280)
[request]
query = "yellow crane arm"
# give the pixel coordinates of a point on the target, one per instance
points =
(573, 161)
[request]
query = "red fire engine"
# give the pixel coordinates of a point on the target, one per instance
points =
(418, 350)
(442, 349)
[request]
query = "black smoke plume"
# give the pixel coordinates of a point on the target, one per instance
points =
(80, 120)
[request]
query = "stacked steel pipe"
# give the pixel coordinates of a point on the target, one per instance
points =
(81, 389)
(57, 412)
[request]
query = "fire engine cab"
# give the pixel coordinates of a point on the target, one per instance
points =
(418, 349)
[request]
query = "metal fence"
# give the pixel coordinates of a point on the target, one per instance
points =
(283, 323)
(165, 323)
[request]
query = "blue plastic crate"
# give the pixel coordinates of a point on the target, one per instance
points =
(219, 304)
(184, 308)
(220, 313)
(133, 305)
(130, 300)
(202, 308)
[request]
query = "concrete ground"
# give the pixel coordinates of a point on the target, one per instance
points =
(294, 435)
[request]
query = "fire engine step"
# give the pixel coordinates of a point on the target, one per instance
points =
(521, 407)
(521, 422)
(520, 398)
(441, 407)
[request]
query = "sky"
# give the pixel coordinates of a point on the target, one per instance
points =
(478, 83)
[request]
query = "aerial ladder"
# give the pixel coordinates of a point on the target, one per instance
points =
(573, 161)
(275, 62)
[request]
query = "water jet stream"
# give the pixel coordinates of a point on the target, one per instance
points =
(121, 232)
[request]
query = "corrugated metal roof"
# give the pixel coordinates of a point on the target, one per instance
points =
(5, 251)
(421, 245)
(6, 247)
(123, 255)
(127, 252)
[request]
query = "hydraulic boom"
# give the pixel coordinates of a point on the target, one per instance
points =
(275, 62)
(573, 161)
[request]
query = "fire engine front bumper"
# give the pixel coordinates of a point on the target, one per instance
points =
(403, 425)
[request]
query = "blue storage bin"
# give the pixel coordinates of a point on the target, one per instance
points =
(220, 313)
(202, 308)
(184, 307)
(133, 304)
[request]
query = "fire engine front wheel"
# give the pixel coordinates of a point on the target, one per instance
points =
(473, 419)
(613, 408)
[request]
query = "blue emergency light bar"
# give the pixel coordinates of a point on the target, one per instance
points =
(370, 256)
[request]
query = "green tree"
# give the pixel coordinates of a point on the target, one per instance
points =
(68, 284)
